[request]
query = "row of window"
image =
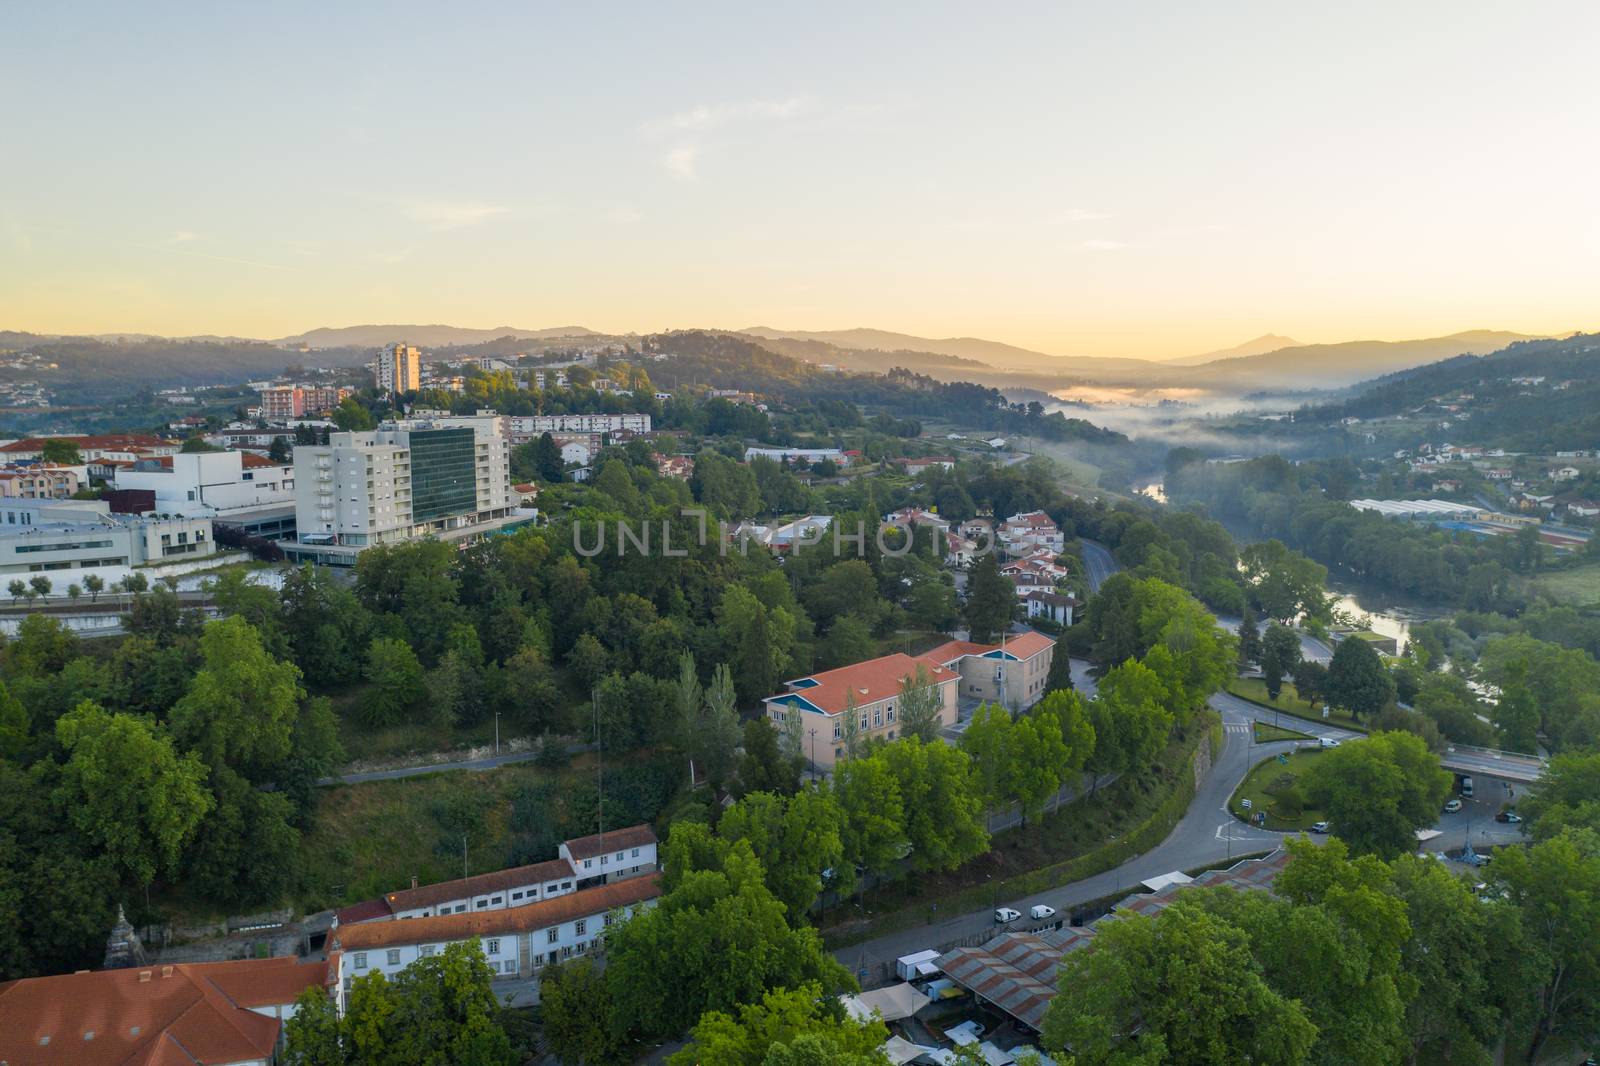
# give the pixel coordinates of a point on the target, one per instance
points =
(604, 859)
(879, 717)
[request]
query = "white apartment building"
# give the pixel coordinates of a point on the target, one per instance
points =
(398, 369)
(614, 856)
(80, 537)
(523, 428)
(516, 940)
(216, 484)
(404, 481)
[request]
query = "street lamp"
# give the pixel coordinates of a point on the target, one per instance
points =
(813, 731)
(497, 732)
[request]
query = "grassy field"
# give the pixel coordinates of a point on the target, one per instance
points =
(1578, 586)
(365, 745)
(1266, 733)
(1086, 837)
(1278, 789)
(1289, 702)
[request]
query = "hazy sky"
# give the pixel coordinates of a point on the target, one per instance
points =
(1093, 179)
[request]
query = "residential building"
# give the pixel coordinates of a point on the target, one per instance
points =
(1050, 605)
(872, 689)
(79, 537)
(918, 466)
(282, 402)
(806, 530)
(614, 856)
(579, 448)
(216, 484)
(680, 467)
(516, 941)
(1583, 508)
(194, 1014)
(493, 891)
(403, 481)
(523, 428)
(799, 455)
(398, 369)
(1565, 473)
(1021, 534)
(111, 446)
(41, 481)
(1012, 672)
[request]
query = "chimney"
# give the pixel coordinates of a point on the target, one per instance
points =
(413, 880)
(166, 971)
(144, 977)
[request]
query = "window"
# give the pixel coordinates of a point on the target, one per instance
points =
(877, 717)
(838, 731)
(497, 900)
(394, 956)
(361, 960)
(587, 863)
(565, 885)
(635, 853)
(427, 951)
(460, 907)
(482, 903)
(566, 952)
(583, 945)
(538, 960)
(552, 935)
(493, 947)
(890, 715)
(621, 856)
(863, 719)
(580, 925)
(516, 895)
(609, 919)
(604, 859)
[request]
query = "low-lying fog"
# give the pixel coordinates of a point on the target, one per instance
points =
(1178, 417)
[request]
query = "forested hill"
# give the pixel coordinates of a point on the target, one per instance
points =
(733, 361)
(1503, 402)
(97, 370)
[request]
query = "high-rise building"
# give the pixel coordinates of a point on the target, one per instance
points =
(279, 403)
(449, 478)
(398, 369)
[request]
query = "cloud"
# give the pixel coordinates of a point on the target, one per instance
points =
(1079, 214)
(450, 214)
(183, 236)
(705, 117)
(680, 161)
(624, 216)
(1101, 245)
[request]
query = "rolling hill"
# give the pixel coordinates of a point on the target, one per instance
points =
(1267, 342)
(375, 336)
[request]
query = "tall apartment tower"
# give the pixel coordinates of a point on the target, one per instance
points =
(398, 369)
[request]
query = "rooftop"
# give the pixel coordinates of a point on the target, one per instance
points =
(1021, 646)
(589, 847)
(868, 682)
(152, 1016)
(542, 915)
(465, 887)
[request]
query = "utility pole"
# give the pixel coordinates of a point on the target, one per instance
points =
(813, 731)
(463, 855)
(599, 772)
(497, 732)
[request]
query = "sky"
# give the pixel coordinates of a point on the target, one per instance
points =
(1083, 179)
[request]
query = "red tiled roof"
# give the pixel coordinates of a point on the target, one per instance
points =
(252, 461)
(589, 847)
(1023, 646)
(464, 887)
(365, 911)
(453, 927)
(187, 1013)
(869, 682)
(115, 441)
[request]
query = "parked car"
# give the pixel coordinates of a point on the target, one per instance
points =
(1319, 827)
(1452, 807)
(1511, 817)
(1327, 742)
(1003, 915)
(1040, 911)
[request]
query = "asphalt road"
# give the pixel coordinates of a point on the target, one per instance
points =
(1097, 563)
(1310, 647)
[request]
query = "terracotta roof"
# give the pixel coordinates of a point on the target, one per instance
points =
(121, 441)
(465, 887)
(589, 847)
(252, 461)
(542, 915)
(869, 682)
(1023, 646)
(150, 1016)
(366, 911)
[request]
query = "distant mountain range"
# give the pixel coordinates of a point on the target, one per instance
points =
(435, 336)
(1267, 342)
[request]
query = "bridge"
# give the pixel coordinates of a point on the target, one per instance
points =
(1508, 765)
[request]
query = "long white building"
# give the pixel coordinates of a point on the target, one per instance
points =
(449, 479)
(521, 428)
(67, 540)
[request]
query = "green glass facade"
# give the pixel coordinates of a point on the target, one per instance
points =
(443, 479)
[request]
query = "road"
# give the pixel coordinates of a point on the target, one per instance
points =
(1097, 563)
(488, 762)
(1207, 834)
(1310, 647)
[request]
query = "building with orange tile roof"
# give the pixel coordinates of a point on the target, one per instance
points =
(190, 1014)
(873, 688)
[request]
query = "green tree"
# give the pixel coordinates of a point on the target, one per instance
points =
(1516, 715)
(921, 706)
(396, 677)
(1059, 677)
(58, 450)
(987, 742)
(94, 584)
(438, 1011)
(1249, 640)
(1070, 713)
(351, 415)
(849, 640)
(991, 599)
(1379, 792)
(1357, 681)
(39, 585)
(314, 1034)
(873, 834)
(795, 839)
(764, 767)
(1555, 888)
(15, 724)
(1179, 987)
(127, 790)
(944, 813)
(717, 739)
(241, 706)
(716, 938)
(782, 1017)
(575, 1008)
(1452, 1017)
(1130, 718)
(1567, 795)
(1280, 654)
